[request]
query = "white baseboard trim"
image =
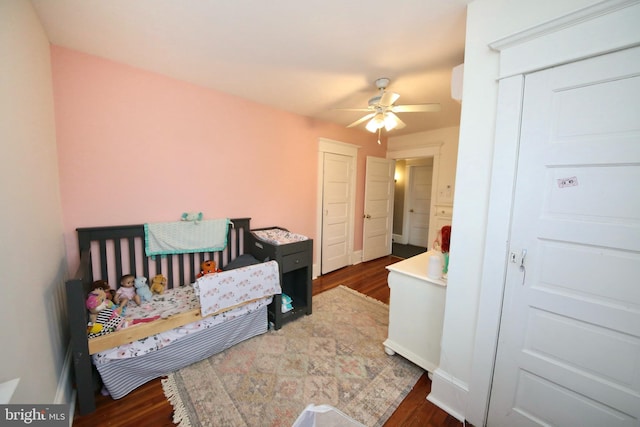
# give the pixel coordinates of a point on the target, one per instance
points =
(65, 392)
(355, 258)
(403, 239)
(449, 394)
(72, 407)
(7, 389)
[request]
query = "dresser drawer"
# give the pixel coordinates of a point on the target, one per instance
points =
(444, 211)
(294, 261)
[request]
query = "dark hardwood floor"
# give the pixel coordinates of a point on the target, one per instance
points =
(147, 405)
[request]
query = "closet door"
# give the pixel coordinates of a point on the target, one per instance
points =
(569, 341)
(335, 207)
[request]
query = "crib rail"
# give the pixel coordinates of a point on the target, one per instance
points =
(118, 250)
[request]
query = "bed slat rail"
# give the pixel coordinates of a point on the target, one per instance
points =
(113, 260)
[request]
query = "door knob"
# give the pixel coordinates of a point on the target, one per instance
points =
(411, 210)
(367, 216)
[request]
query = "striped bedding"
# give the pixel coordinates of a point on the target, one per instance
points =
(121, 376)
(164, 339)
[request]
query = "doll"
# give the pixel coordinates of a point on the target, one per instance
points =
(444, 238)
(96, 302)
(442, 244)
(126, 291)
(104, 285)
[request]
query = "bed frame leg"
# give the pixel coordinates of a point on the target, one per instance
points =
(84, 384)
(82, 367)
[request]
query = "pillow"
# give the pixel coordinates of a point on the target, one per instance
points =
(243, 260)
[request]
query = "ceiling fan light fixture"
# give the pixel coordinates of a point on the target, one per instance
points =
(382, 108)
(390, 122)
(375, 123)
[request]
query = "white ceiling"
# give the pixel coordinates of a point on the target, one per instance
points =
(304, 56)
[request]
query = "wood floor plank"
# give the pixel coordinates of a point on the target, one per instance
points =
(147, 405)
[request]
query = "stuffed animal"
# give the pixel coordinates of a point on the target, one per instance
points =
(96, 302)
(196, 217)
(104, 316)
(104, 285)
(208, 267)
(158, 283)
(142, 289)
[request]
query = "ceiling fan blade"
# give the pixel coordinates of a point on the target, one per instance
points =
(388, 98)
(399, 124)
(363, 119)
(416, 108)
(352, 109)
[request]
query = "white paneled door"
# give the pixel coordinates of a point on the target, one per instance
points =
(335, 211)
(569, 343)
(419, 204)
(378, 208)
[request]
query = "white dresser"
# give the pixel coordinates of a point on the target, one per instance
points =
(416, 311)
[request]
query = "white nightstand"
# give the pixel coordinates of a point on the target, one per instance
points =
(416, 311)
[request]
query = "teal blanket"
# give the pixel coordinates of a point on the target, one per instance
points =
(185, 237)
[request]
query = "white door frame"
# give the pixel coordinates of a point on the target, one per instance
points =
(350, 150)
(583, 34)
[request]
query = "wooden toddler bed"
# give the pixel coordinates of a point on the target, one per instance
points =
(129, 357)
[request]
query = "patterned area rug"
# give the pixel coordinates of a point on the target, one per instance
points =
(334, 356)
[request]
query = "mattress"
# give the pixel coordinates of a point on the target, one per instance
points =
(173, 301)
(278, 236)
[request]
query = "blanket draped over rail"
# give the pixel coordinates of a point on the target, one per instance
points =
(231, 288)
(167, 238)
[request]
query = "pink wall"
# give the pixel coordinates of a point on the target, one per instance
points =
(136, 147)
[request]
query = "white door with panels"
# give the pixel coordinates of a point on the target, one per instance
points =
(419, 204)
(569, 344)
(378, 208)
(335, 211)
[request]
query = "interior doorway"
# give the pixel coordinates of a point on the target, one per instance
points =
(413, 205)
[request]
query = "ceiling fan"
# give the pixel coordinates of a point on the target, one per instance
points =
(382, 110)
